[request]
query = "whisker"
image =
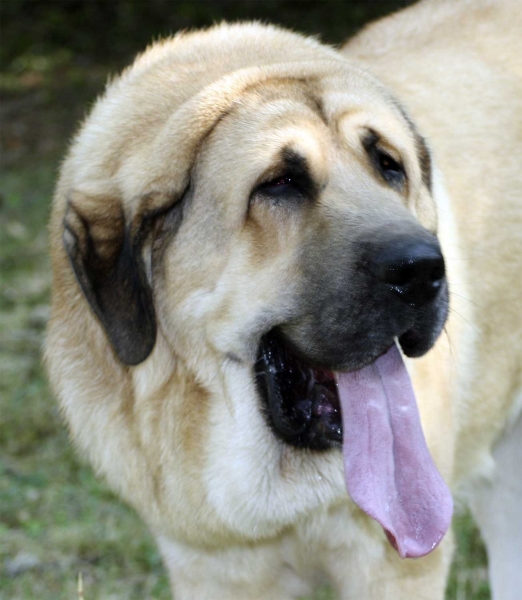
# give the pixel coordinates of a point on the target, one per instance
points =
(468, 299)
(466, 321)
(450, 345)
(226, 361)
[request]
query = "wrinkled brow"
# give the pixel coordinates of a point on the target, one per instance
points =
(423, 153)
(297, 166)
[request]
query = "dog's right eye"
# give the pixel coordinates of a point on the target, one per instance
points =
(280, 187)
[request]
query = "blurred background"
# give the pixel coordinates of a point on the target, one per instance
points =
(56, 518)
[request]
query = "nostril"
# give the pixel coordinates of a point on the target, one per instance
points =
(413, 270)
(438, 272)
(398, 273)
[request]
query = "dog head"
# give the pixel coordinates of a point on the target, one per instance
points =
(245, 215)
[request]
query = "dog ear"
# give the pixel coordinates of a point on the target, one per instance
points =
(105, 244)
(106, 255)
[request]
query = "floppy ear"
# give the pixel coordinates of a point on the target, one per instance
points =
(106, 256)
(106, 251)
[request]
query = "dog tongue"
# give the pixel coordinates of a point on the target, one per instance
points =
(389, 471)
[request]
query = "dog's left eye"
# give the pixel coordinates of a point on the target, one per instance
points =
(391, 170)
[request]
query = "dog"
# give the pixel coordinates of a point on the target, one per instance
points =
(264, 249)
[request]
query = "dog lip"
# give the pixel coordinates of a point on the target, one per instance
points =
(329, 365)
(368, 360)
(300, 401)
(413, 343)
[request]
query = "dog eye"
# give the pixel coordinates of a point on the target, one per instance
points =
(391, 170)
(280, 187)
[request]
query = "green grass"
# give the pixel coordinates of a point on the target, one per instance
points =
(56, 518)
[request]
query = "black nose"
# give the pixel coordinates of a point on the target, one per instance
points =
(413, 270)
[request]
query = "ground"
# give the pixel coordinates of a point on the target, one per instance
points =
(56, 518)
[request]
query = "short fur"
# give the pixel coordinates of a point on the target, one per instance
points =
(168, 267)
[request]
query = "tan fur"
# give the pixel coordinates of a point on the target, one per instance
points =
(180, 436)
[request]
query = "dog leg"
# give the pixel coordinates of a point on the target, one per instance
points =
(497, 507)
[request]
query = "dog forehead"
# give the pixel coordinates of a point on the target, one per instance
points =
(335, 105)
(255, 135)
(305, 113)
(158, 168)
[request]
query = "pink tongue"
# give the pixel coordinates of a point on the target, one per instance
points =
(388, 468)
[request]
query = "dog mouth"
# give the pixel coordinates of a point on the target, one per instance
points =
(302, 402)
(370, 413)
